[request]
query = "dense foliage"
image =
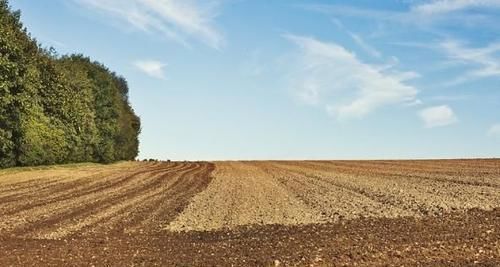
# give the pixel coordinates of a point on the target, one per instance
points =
(59, 109)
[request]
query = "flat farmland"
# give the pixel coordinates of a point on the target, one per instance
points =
(252, 213)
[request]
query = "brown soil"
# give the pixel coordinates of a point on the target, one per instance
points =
(366, 213)
(141, 198)
(461, 239)
(292, 192)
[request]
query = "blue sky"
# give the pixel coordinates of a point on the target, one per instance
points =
(259, 79)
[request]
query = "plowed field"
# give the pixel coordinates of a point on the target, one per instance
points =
(319, 213)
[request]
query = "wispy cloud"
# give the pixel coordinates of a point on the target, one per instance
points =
(479, 62)
(483, 60)
(419, 14)
(365, 46)
(438, 7)
(438, 116)
(358, 39)
(178, 20)
(494, 130)
(152, 68)
(332, 76)
(353, 11)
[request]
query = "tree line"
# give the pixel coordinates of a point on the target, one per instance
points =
(59, 109)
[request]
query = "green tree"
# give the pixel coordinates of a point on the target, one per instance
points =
(59, 109)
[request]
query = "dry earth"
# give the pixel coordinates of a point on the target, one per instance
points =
(287, 193)
(132, 197)
(319, 213)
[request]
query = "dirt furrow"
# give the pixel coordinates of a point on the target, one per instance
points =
(389, 205)
(27, 185)
(334, 201)
(159, 212)
(109, 215)
(452, 174)
(36, 215)
(314, 213)
(68, 182)
(90, 188)
(472, 166)
(155, 212)
(91, 204)
(122, 208)
(16, 178)
(419, 195)
(91, 185)
(242, 194)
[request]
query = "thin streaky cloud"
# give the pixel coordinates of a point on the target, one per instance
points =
(352, 11)
(447, 6)
(482, 60)
(365, 46)
(190, 17)
(358, 39)
(421, 16)
(420, 45)
(175, 19)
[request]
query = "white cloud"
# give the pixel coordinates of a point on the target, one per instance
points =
(446, 6)
(152, 68)
(332, 76)
(484, 60)
(175, 19)
(494, 130)
(438, 116)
